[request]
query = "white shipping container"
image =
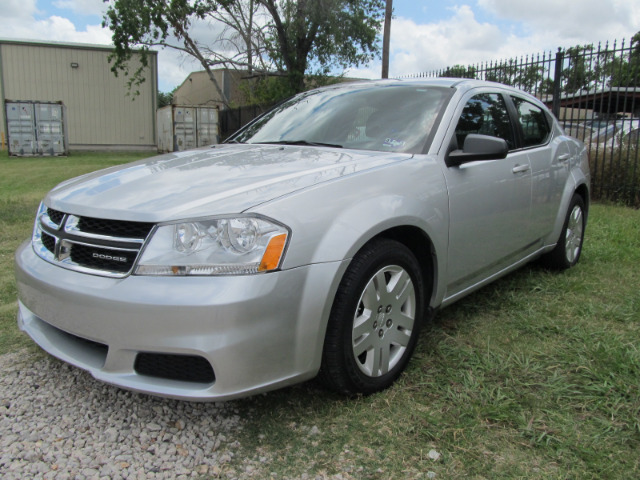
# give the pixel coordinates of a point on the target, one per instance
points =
(36, 128)
(182, 127)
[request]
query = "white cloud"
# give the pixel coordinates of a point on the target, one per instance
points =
(570, 22)
(542, 26)
(54, 28)
(16, 10)
(173, 69)
(460, 39)
(84, 7)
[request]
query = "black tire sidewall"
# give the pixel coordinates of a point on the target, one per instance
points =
(557, 259)
(371, 259)
(562, 244)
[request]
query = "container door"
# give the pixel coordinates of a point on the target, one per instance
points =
(49, 129)
(185, 128)
(21, 128)
(207, 127)
(164, 122)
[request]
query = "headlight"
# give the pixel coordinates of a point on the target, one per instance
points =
(220, 246)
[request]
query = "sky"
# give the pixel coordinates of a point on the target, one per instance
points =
(425, 35)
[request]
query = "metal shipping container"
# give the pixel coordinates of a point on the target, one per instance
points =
(36, 128)
(21, 132)
(182, 127)
(50, 131)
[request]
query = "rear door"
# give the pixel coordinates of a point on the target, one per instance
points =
(549, 158)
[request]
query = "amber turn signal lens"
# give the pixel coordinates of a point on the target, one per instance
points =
(273, 253)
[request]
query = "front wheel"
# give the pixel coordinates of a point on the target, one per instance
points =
(569, 247)
(375, 319)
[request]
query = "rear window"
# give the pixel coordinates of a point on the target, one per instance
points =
(535, 128)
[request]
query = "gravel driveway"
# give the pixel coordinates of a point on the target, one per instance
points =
(57, 422)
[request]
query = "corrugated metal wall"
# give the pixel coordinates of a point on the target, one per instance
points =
(100, 114)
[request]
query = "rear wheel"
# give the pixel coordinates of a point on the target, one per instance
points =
(375, 319)
(569, 247)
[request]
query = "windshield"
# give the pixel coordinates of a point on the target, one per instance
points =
(397, 118)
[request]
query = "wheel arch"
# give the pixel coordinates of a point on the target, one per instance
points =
(583, 191)
(423, 249)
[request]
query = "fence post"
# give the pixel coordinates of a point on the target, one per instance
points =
(557, 83)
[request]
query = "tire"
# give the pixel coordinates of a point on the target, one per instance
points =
(375, 320)
(569, 247)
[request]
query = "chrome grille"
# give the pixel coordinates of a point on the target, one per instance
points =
(89, 245)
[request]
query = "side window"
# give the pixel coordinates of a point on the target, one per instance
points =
(485, 114)
(534, 123)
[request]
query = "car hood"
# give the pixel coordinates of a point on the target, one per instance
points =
(211, 181)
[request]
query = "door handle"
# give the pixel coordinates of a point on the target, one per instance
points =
(520, 168)
(564, 156)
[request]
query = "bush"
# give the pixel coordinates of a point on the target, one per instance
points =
(615, 174)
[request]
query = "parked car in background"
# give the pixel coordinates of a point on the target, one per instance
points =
(315, 242)
(611, 135)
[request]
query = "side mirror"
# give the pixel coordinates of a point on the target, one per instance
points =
(478, 147)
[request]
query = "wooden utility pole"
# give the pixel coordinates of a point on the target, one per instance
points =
(386, 38)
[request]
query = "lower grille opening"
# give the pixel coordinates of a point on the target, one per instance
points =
(187, 368)
(88, 352)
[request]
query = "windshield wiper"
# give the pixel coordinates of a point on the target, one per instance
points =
(302, 142)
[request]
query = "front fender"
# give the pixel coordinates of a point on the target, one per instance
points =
(332, 221)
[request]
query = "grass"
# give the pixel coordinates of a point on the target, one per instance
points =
(534, 376)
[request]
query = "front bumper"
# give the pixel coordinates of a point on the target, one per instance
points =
(258, 332)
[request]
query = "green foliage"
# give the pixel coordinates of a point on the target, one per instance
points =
(459, 71)
(139, 24)
(165, 98)
(318, 36)
(266, 91)
(625, 72)
(578, 75)
(301, 37)
(615, 173)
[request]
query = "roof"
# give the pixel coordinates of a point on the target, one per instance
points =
(612, 100)
(54, 44)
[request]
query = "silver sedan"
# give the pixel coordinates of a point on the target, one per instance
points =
(314, 242)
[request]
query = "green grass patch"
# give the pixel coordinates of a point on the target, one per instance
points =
(534, 376)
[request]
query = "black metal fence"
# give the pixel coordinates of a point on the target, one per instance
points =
(595, 93)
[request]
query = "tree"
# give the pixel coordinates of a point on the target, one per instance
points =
(624, 72)
(291, 38)
(458, 71)
(164, 99)
(579, 75)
